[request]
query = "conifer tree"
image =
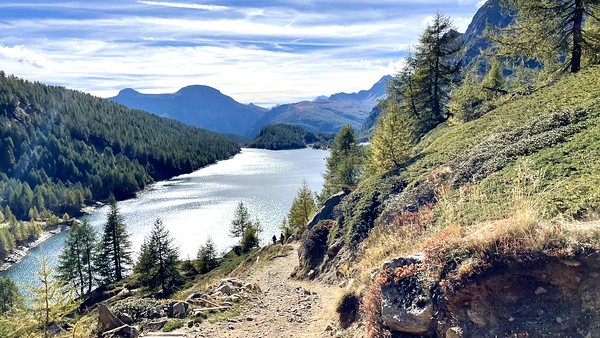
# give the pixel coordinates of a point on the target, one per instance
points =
(76, 260)
(493, 82)
(393, 138)
(157, 264)
(303, 207)
(250, 237)
(207, 257)
(113, 258)
(10, 297)
(548, 30)
(51, 302)
(241, 221)
(430, 71)
(344, 164)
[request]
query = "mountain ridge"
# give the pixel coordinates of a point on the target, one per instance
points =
(206, 107)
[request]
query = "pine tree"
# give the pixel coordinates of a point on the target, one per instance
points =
(344, 164)
(493, 82)
(51, 301)
(429, 73)
(241, 221)
(76, 260)
(157, 264)
(250, 237)
(547, 30)
(207, 257)
(303, 207)
(113, 258)
(9, 296)
(475, 97)
(393, 139)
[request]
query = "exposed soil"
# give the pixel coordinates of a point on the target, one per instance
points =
(284, 308)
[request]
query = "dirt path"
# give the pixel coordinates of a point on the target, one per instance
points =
(284, 308)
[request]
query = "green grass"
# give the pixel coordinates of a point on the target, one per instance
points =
(560, 127)
(509, 179)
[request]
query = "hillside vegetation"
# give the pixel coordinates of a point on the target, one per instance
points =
(60, 148)
(504, 190)
(286, 136)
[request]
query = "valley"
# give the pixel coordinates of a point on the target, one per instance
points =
(457, 197)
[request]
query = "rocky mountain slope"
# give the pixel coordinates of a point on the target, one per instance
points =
(328, 114)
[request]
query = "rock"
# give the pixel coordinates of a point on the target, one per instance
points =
(225, 288)
(454, 332)
(540, 290)
(401, 311)
(180, 309)
(154, 315)
(327, 210)
(126, 318)
(106, 320)
(195, 295)
(155, 325)
(476, 318)
(199, 313)
(124, 331)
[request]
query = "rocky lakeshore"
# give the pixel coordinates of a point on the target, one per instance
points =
(22, 250)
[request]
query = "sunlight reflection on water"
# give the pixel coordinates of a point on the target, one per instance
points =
(201, 204)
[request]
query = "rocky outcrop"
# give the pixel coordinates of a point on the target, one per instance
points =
(327, 210)
(406, 306)
(110, 326)
(545, 297)
(312, 250)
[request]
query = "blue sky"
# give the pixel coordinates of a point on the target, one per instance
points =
(265, 52)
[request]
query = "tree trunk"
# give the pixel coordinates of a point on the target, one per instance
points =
(577, 36)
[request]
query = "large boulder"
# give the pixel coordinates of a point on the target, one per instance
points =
(327, 210)
(107, 320)
(406, 305)
(124, 331)
(539, 297)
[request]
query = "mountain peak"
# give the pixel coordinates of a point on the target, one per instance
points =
(198, 90)
(128, 92)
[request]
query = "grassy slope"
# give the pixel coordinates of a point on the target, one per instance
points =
(504, 179)
(570, 163)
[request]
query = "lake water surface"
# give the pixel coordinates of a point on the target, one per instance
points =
(201, 204)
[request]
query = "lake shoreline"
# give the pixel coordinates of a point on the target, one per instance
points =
(88, 208)
(21, 251)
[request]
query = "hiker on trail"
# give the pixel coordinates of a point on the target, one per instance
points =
(274, 239)
(281, 239)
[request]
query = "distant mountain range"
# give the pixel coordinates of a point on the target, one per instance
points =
(199, 106)
(208, 108)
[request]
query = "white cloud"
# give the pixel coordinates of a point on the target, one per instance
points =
(253, 54)
(24, 55)
(184, 5)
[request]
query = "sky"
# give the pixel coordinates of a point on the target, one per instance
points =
(262, 52)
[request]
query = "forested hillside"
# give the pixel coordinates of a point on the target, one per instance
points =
(286, 136)
(60, 147)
